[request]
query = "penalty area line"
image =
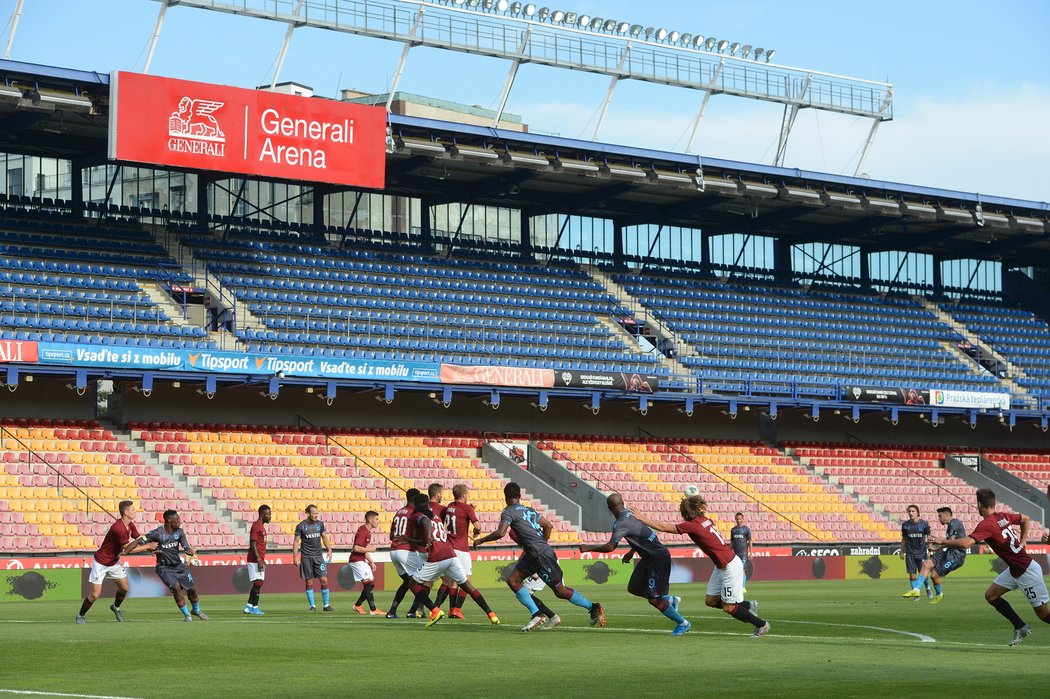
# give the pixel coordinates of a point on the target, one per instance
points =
(918, 636)
(29, 692)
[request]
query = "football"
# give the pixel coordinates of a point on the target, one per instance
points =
(690, 490)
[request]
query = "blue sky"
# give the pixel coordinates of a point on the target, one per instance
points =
(972, 97)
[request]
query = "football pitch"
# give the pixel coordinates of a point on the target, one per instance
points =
(834, 638)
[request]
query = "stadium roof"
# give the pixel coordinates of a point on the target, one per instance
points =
(541, 174)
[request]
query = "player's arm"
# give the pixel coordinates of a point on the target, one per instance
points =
(1026, 523)
(501, 531)
(750, 546)
(255, 554)
(904, 544)
(963, 543)
(656, 526)
(608, 547)
(546, 527)
(137, 544)
(295, 548)
(474, 520)
(327, 541)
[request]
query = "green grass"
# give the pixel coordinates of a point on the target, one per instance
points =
(817, 647)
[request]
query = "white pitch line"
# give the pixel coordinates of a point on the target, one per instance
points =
(29, 692)
(920, 636)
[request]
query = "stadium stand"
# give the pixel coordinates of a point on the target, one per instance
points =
(49, 469)
(775, 336)
(1032, 467)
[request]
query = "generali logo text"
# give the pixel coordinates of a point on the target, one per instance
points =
(193, 128)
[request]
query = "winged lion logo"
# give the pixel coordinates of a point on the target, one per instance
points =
(194, 119)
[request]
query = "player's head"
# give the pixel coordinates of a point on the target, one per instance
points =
(410, 496)
(459, 492)
(739, 518)
(422, 504)
(944, 515)
(371, 519)
(435, 490)
(913, 513)
(265, 513)
(172, 519)
(692, 507)
(311, 513)
(512, 493)
(126, 509)
(985, 501)
(615, 504)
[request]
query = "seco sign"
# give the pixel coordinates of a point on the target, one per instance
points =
(199, 126)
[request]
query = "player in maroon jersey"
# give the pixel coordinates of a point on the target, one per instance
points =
(441, 562)
(401, 555)
(106, 562)
(458, 517)
(1022, 573)
(362, 566)
(257, 560)
(725, 590)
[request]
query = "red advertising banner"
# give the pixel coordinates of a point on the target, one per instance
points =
(18, 351)
(164, 121)
(497, 376)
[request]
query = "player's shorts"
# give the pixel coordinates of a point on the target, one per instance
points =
(312, 567)
(914, 561)
(254, 573)
(465, 562)
(945, 562)
(1031, 583)
(545, 565)
(728, 583)
(100, 572)
(405, 562)
(362, 571)
(653, 575)
(447, 568)
(175, 576)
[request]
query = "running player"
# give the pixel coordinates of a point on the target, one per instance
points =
(170, 568)
(725, 589)
(740, 537)
(459, 516)
(651, 578)
(441, 562)
(913, 548)
(1022, 572)
(532, 533)
(257, 560)
(106, 562)
(310, 534)
(943, 561)
(362, 566)
(401, 555)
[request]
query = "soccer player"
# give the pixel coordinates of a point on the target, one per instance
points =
(257, 560)
(725, 590)
(401, 555)
(459, 515)
(310, 534)
(740, 536)
(914, 532)
(532, 533)
(106, 562)
(943, 561)
(430, 534)
(651, 578)
(170, 568)
(1022, 572)
(362, 566)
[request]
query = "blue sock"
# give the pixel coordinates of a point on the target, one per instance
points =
(917, 583)
(525, 598)
(184, 610)
(310, 597)
(580, 601)
(197, 606)
(745, 581)
(937, 589)
(672, 613)
(324, 596)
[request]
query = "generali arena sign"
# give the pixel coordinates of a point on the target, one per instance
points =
(199, 126)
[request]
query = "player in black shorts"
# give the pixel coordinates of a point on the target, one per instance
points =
(170, 568)
(651, 578)
(310, 535)
(944, 560)
(913, 549)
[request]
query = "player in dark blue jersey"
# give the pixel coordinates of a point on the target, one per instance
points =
(943, 561)
(310, 536)
(532, 532)
(168, 539)
(652, 574)
(913, 548)
(740, 539)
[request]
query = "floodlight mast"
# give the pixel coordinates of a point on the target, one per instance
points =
(519, 33)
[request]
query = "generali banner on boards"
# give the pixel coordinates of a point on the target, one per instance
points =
(200, 126)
